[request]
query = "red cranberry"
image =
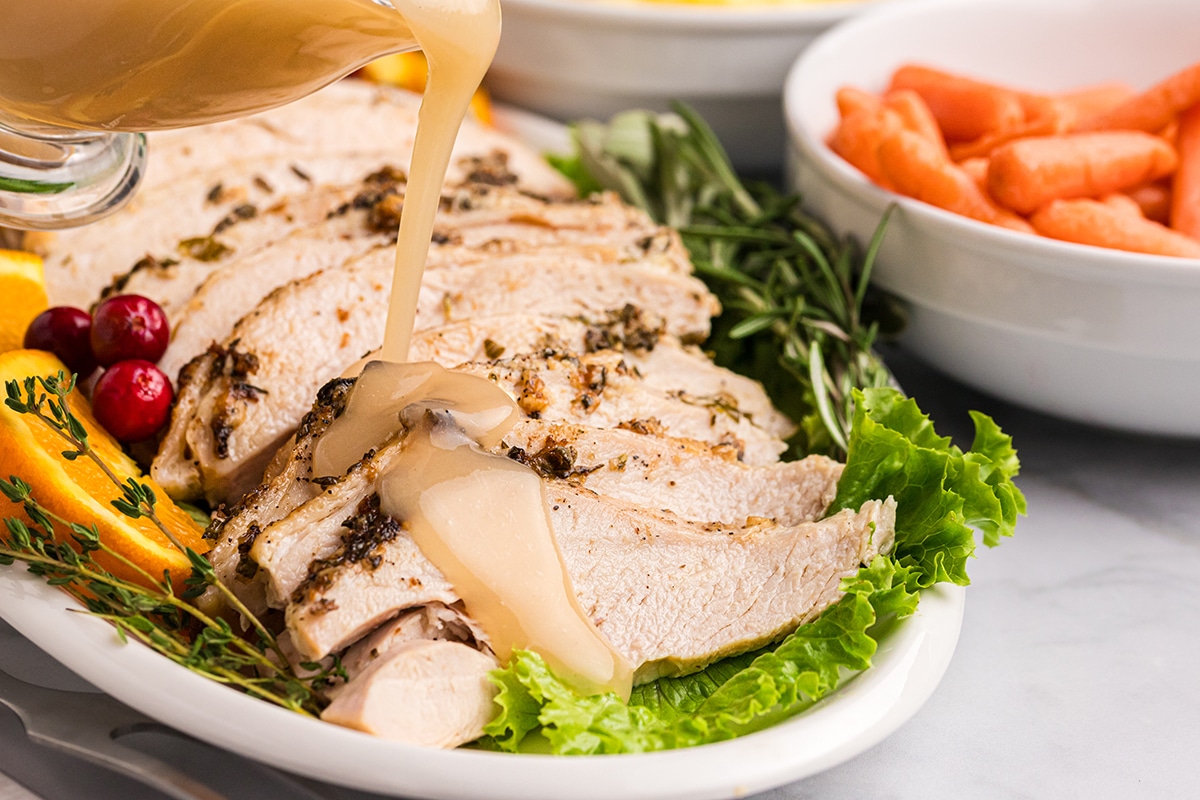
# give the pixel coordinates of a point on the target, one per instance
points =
(132, 400)
(129, 326)
(65, 332)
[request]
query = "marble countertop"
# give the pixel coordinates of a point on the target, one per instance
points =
(1075, 675)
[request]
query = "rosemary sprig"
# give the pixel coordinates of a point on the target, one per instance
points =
(148, 610)
(795, 298)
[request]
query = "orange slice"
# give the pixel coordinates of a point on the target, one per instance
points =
(79, 491)
(410, 70)
(481, 107)
(22, 296)
(406, 70)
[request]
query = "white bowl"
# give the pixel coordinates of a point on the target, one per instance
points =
(1099, 336)
(570, 59)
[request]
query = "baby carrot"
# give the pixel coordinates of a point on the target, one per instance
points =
(919, 169)
(1170, 130)
(965, 108)
(1089, 101)
(1093, 222)
(1154, 199)
(1046, 115)
(1029, 173)
(1185, 192)
(1045, 125)
(1123, 203)
(851, 100)
(914, 114)
(1151, 110)
(857, 140)
(977, 168)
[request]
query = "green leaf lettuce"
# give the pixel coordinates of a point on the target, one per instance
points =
(943, 496)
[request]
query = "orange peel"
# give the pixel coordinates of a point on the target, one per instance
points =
(79, 490)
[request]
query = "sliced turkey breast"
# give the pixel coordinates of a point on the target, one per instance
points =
(669, 594)
(600, 390)
(427, 692)
(238, 403)
(421, 678)
(295, 228)
(430, 622)
(698, 478)
(348, 116)
(190, 206)
(228, 421)
(686, 477)
(673, 596)
(690, 375)
(340, 567)
(285, 484)
(495, 222)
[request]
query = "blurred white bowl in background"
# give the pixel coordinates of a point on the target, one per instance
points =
(572, 59)
(1099, 336)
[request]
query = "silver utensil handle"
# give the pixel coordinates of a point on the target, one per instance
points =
(84, 725)
(87, 726)
(142, 768)
(157, 774)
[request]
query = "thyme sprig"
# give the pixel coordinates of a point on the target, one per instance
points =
(798, 313)
(148, 610)
(49, 394)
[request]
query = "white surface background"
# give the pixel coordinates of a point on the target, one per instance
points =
(1075, 675)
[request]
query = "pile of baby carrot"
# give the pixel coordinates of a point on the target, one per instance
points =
(1103, 165)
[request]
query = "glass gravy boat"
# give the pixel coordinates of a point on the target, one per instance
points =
(82, 80)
